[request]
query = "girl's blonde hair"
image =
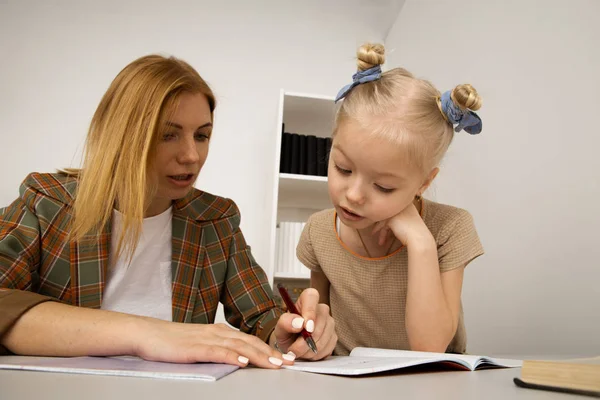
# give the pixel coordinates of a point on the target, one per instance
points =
(121, 142)
(404, 110)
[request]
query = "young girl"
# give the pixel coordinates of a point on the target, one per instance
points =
(126, 257)
(388, 262)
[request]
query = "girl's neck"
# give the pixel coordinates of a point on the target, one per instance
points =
(369, 245)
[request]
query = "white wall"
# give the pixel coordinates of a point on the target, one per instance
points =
(531, 178)
(58, 58)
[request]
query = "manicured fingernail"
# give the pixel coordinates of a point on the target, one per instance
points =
(275, 361)
(310, 325)
(298, 322)
(243, 360)
(289, 356)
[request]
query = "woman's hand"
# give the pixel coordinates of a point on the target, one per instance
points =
(316, 319)
(190, 343)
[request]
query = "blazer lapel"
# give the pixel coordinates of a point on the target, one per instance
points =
(186, 265)
(89, 261)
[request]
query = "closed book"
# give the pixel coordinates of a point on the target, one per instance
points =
(282, 160)
(303, 154)
(287, 166)
(321, 157)
(311, 155)
(577, 376)
(295, 154)
(280, 244)
(327, 150)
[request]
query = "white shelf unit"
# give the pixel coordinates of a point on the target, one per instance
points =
(287, 275)
(296, 197)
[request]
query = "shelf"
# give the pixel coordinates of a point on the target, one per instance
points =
(298, 177)
(308, 114)
(303, 191)
(310, 96)
(297, 197)
(287, 275)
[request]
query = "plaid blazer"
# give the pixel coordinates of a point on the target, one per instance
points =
(211, 261)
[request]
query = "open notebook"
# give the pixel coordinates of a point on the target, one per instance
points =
(364, 360)
(119, 366)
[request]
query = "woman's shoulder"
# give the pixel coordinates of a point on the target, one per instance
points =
(58, 186)
(204, 206)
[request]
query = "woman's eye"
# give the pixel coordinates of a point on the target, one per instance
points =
(168, 136)
(202, 137)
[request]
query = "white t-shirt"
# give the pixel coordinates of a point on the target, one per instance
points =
(143, 287)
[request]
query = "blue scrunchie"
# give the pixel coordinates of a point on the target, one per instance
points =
(368, 75)
(466, 119)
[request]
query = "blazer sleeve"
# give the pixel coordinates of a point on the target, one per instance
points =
(19, 261)
(248, 298)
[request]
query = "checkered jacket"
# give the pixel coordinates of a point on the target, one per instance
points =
(211, 261)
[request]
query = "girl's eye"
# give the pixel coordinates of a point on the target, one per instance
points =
(342, 170)
(384, 190)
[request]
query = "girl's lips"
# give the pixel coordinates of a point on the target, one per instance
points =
(349, 215)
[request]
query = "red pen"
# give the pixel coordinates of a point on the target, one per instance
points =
(292, 308)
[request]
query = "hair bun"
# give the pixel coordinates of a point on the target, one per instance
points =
(466, 97)
(370, 55)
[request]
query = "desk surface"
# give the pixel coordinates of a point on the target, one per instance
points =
(251, 383)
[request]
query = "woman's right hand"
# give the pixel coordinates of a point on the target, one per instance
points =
(190, 343)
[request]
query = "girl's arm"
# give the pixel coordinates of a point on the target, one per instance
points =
(433, 299)
(319, 281)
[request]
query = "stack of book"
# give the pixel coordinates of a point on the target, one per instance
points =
(304, 154)
(286, 262)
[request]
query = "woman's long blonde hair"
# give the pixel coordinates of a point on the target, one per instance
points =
(404, 109)
(121, 141)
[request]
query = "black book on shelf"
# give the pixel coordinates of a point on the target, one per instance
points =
(327, 151)
(311, 155)
(282, 156)
(321, 157)
(303, 155)
(294, 154)
(288, 153)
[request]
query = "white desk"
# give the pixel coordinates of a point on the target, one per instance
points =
(254, 383)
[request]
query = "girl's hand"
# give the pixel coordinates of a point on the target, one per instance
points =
(315, 319)
(407, 226)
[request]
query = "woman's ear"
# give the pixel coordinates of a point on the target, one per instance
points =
(428, 181)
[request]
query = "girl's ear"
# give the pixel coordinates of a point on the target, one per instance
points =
(428, 181)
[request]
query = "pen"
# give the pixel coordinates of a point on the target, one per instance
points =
(292, 308)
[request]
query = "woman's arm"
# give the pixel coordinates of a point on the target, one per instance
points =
(55, 329)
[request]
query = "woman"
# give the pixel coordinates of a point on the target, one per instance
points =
(125, 257)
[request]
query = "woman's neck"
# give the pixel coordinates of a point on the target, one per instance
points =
(158, 206)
